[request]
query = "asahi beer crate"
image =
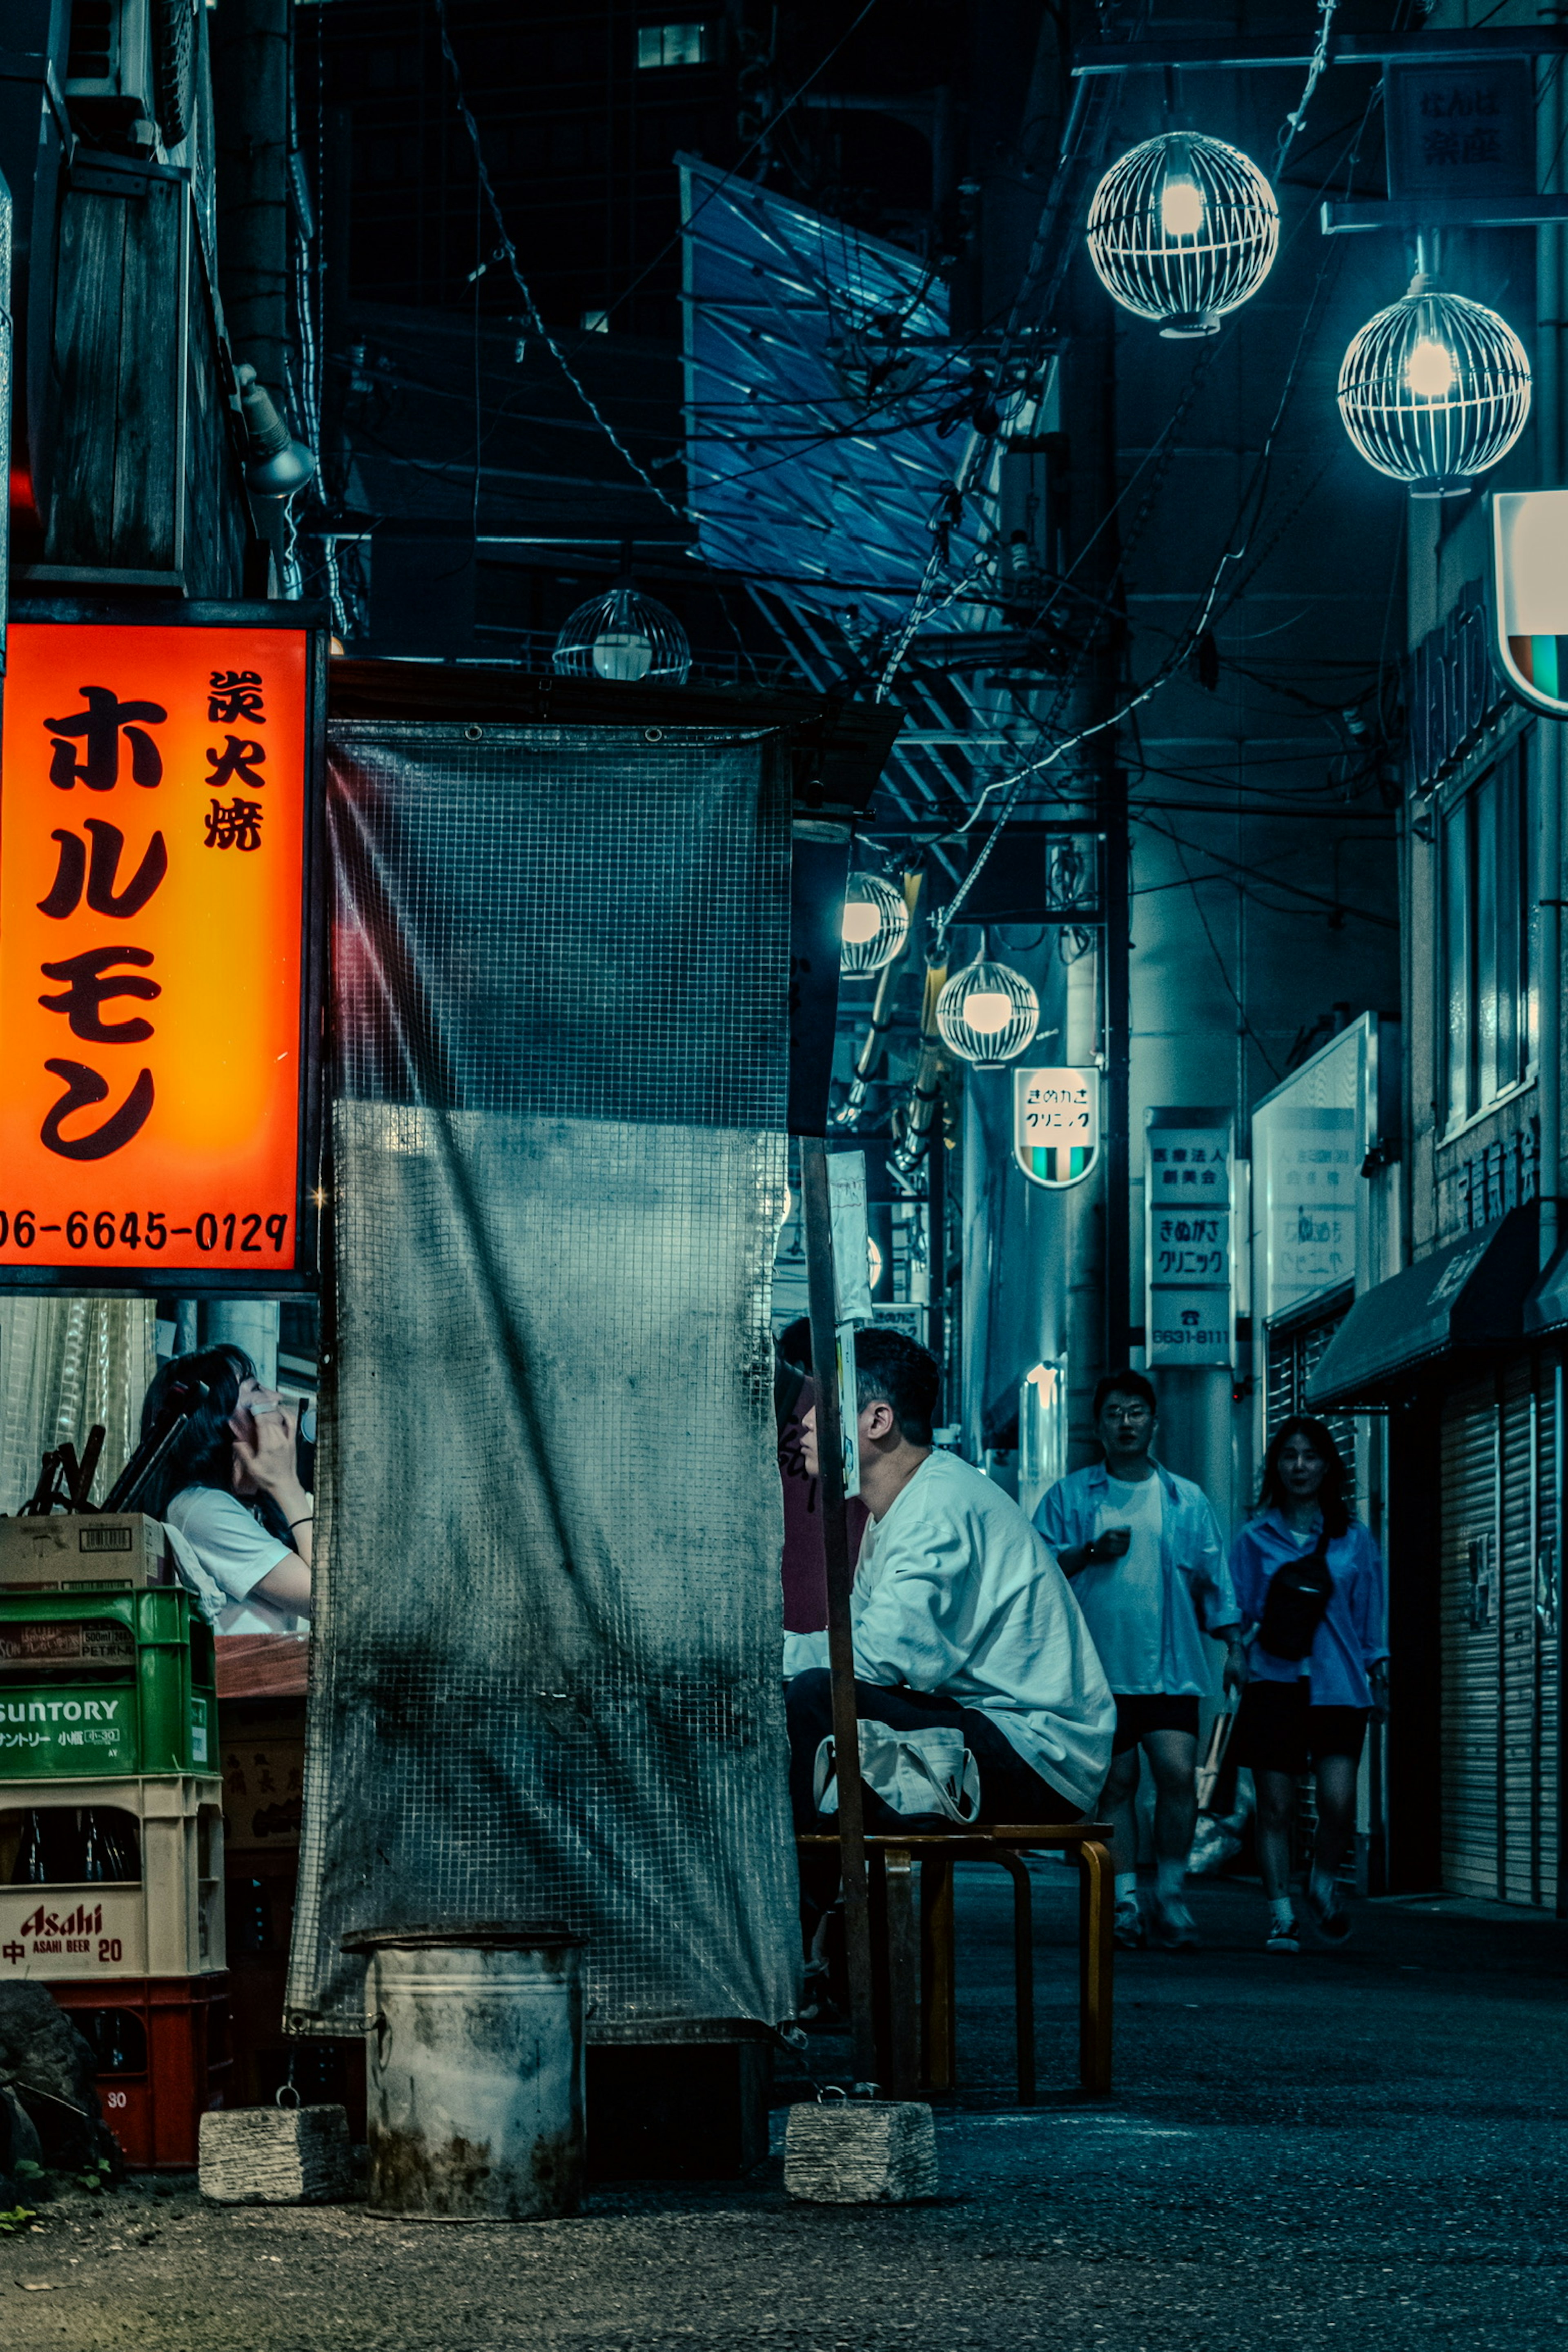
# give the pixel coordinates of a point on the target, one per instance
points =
(111, 1877)
(69, 1549)
(97, 1682)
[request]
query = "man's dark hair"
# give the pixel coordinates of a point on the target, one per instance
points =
(891, 1369)
(1332, 1498)
(1124, 1384)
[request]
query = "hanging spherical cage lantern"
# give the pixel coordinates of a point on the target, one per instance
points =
(1184, 230)
(1435, 390)
(987, 1013)
(626, 636)
(876, 925)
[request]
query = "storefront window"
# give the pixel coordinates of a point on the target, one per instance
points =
(1488, 893)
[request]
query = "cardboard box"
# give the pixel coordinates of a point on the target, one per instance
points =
(123, 1551)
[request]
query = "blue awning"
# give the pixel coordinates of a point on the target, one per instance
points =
(1470, 1293)
(823, 400)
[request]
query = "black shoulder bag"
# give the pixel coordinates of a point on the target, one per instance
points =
(1297, 1603)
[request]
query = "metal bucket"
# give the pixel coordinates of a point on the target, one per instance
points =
(476, 2067)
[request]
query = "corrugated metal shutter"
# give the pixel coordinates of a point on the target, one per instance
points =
(1499, 1554)
(1545, 1603)
(1469, 1574)
(1519, 1850)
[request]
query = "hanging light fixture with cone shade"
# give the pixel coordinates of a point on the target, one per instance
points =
(1184, 230)
(1435, 390)
(874, 926)
(987, 1013)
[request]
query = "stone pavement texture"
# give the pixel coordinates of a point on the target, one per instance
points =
(1359, 2148)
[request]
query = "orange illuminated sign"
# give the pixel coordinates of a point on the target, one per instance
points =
(155, 785)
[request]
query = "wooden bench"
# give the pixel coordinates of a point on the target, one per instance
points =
(918, 1947)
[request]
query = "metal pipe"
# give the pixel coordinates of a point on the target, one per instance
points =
(849, 1109)
(925, 1092)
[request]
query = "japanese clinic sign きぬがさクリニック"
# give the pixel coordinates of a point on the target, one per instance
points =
(153, 840)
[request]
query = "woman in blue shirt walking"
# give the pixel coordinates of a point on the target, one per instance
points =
(1308, 1711)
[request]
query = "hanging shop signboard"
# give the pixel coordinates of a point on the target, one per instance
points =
(1188, 1259)
(1311, 1137)
(1529, 596)
(1460, 126)
(159, 1009)
(1055, 1125)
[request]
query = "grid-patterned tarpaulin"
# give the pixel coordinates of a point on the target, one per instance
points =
(546, 1678)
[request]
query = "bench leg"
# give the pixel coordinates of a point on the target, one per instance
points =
(1097, 1888)
(1023, 1973)
(903, 1971)
(939, 2013)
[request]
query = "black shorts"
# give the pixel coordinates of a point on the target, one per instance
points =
(1278, 1729)
(1141, 1711)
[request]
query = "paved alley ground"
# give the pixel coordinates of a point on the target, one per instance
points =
(1362, 2148)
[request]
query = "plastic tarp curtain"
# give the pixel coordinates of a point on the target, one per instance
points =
(66, 1363)
(545, 1682)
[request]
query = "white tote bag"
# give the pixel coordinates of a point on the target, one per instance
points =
(912, 1771)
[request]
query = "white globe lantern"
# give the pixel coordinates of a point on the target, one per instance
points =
(626, 636)
(1184, 230)
(1434, 389)
(987, 1013)
(876, 925)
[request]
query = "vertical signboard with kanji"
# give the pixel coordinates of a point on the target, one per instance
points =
(157, 1023)
(1310, 1138)
(1189, 1314)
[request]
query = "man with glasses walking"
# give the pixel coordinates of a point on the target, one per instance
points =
(1143, 1550)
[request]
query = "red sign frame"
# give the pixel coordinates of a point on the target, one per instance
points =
(161, 950)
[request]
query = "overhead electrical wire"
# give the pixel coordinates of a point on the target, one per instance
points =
(1189, 637)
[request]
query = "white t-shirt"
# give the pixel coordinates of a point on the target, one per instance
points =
(1125, 1600)
(955, 1592)
(236, 1552)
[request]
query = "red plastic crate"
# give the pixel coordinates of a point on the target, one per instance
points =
(170, 2038)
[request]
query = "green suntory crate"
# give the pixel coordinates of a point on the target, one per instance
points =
(105, 1682)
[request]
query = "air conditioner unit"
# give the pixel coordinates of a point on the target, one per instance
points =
(129, 70)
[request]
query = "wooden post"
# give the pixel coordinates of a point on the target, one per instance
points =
(816, 1217)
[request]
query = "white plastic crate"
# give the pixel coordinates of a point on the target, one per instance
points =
(169, 1923)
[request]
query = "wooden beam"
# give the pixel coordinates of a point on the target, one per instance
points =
(816, 1217)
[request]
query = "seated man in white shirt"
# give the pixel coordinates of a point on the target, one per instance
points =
(229, 1489)
(961, 1617)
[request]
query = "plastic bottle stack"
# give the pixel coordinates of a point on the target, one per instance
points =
(111, 1817)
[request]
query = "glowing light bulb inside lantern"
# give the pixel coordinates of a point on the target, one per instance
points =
(1429, 370)
(1181, 206)
(862, 921)
(873, 1262)
(987, 1010)
(623, 653)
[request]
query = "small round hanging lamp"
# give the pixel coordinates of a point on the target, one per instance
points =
(1184, 230)
(875, 924)
(626, 636)
(987, 1013)
(1434, 389)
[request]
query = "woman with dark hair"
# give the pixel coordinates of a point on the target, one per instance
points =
(1309, 1579)
(229, 1488)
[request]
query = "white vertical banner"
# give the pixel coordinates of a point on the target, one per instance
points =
(1189, 1243)
(851, 1236)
